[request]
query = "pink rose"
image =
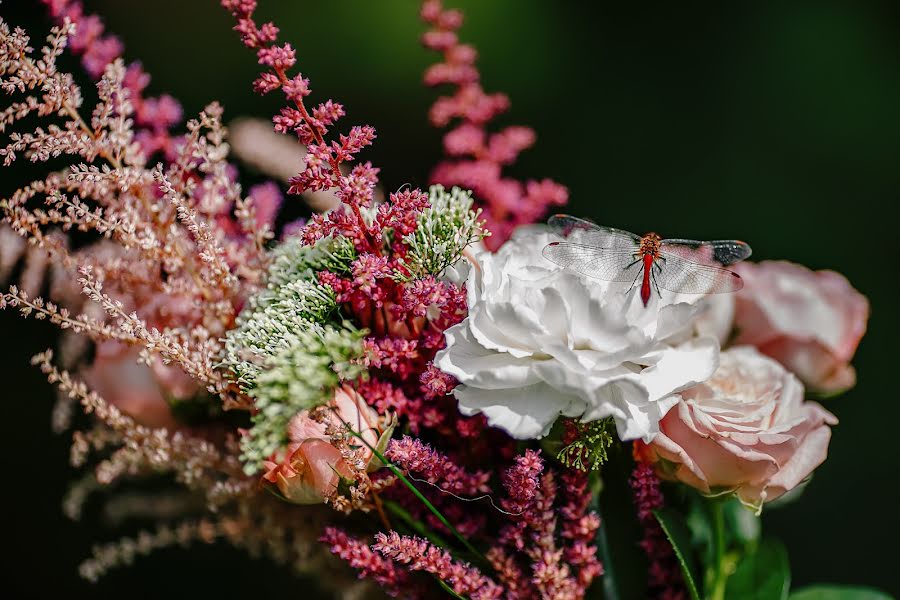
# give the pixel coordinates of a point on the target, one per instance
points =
(809, 321)
(747, 430)
(313, 467)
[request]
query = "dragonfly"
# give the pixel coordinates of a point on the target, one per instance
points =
(676, 265)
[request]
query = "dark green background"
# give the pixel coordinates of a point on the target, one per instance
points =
(768, 121)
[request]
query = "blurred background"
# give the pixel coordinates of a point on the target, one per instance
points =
(778, 123)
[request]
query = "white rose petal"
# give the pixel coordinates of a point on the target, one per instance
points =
(540, 341)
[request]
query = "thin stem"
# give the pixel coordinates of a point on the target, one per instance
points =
(414, 524)
(720, 576)
(431, 507)
(76, 116)
(380, 508)
(449, 589)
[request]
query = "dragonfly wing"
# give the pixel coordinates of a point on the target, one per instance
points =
(601, 263)
(718, 252)
(584, 232)
(683, 276)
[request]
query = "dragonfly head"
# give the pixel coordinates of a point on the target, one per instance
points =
(650, 244)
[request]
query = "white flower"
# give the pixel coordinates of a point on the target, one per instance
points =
(541, 341)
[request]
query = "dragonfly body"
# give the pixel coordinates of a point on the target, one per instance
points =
(678, 265)
(649, 250)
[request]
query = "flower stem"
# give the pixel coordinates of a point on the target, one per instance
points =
(720, 575)
(399, 474)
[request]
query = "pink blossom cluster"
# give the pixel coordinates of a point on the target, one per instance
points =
(664, 575)
(550, 533)
(475, 158)
(154, 117)
(415, 456)
(322, 170)
(368, 563)
(421, 555)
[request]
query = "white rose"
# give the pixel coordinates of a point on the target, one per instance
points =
(540, 341)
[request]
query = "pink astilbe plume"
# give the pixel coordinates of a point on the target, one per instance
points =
(545, 550)
(421, 555)
(154, 117)
(322, 170)
(664, 575)
(369, 564)
(475, 157)
(417, 457)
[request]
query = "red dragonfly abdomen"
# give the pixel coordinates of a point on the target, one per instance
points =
(645, 285)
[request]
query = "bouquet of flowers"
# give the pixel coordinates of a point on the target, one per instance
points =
(401, 390)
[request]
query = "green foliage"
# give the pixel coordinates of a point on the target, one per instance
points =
(763, 574)
(444, 230)
(679, 536)
(291, 300)
(292, 261)
(590, 450)
(838, 592)
(290, 348)
(300, 376)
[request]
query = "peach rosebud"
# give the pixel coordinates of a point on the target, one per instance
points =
(311, 474)
(809, 321)
(313, 467)
(747, 431)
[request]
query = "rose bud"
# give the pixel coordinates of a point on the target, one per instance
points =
(313, 467)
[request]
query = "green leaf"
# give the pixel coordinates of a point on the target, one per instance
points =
(761, 575)
(679, 535)
(839, 592)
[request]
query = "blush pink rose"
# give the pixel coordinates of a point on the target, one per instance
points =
(313, 467)
(809, 321)
(747, 431)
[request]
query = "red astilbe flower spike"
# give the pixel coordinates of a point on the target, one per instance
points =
(560, 559)
(522, 481)
(420, 555)
(664, 575)
(370, 565)
(475, 158)
(437, 469)
(322, 170)
(579, 526)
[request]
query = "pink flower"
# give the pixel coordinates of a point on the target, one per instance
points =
(809, 321)
(439, 470)
(746, 430)
(313, 466)
(421, 555)
(474, 157)
(131, 386)
(311, 474)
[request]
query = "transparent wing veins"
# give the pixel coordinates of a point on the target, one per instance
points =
(716, 252)
(601, 263)
(683, 276)
(587, 233)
